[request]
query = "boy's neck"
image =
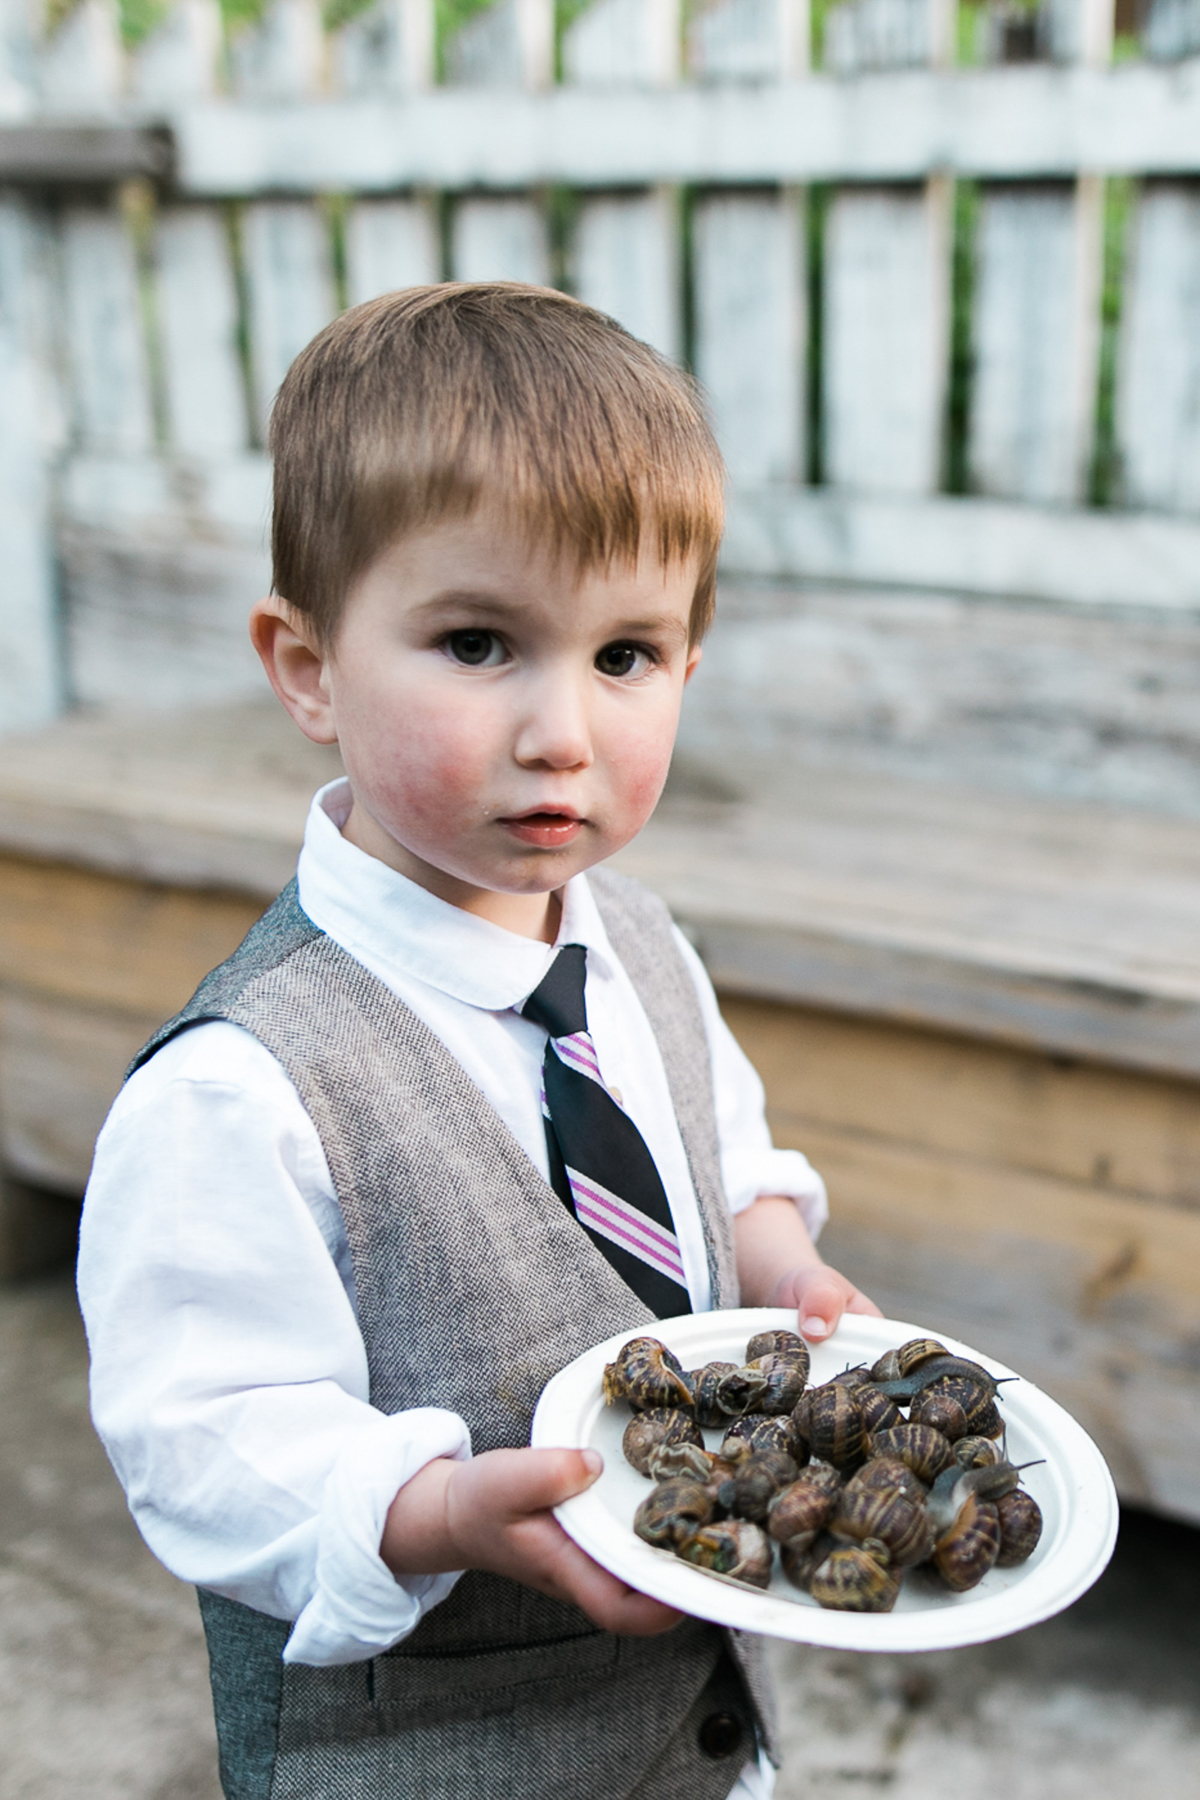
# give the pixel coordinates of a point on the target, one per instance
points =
(536, 916)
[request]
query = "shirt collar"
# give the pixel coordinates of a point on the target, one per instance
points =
(390, 923)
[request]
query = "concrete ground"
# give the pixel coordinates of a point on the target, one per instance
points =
(102, 1669)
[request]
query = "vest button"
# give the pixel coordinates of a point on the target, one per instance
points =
(721, 1734)
(617, 1095)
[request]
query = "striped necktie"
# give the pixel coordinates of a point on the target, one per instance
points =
(599, 1163)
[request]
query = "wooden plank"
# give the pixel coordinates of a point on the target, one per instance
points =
(1037, 318)
(198, 320)
(1158, 395)
(510, 44)
(500, 240)
(1113, 1131)
(750, 328)
(1010, 123)
(887, 284)
(388, 48)
(626, 261)
(81, 155)
(180, 60)
(289, 272)
(81, 66)
(750, 40)
(61, 1066)
(281, 57)
(624, 42)
(390, 244)
(965, 546)
(31, 674)
(82, 937)
(1092, 1297)
(104, 331)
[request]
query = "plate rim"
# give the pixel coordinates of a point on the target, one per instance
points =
(1075, 1565)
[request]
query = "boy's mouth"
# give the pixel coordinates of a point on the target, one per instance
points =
(548, 829)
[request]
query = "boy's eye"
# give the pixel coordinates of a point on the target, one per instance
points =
(477, 649)
(623, 659)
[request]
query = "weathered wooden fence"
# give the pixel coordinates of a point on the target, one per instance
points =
(940, 309)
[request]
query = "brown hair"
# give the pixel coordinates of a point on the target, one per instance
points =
(414, 407)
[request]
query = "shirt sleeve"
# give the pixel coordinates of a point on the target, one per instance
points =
(229, 1377)
(750, 1164)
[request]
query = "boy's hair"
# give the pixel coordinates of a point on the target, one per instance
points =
(413, 408)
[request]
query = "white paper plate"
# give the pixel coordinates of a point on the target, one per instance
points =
(1072, 1487)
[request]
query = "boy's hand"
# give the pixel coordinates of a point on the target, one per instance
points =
(494, 1513)
(820, 1296)
(771, 1237)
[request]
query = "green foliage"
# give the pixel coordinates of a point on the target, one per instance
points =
(139, 18)
(238, 14)
(956, 468)
(1105, 476)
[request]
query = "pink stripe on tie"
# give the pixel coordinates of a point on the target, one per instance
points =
(623, 1224)
(580, 1051)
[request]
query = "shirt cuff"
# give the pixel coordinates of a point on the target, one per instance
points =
(359, 1608)
(785, 1172)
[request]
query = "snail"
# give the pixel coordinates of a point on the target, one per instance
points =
(888, 1517)
(1020, 1527)
(667, 1460)
(735, 1547)
(855, 1578)
(799, 1557)
(673, 1510)
(964, 1554)
(653, 1430)
(742, 1390)
(647, 1375)
(888, 1472)
(705, 1383)
(974, 1452)
(780, 1343)
(878, 1412)
(831, 1423)
(925, 1450)
(785, 1379)
(893, 1365)
(801, 1509)
(749, 1490)
(763, 1433)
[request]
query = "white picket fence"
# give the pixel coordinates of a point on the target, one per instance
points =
(665, 168)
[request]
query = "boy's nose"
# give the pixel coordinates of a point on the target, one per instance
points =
(555, 732)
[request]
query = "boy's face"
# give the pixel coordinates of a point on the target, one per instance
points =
(504, 721)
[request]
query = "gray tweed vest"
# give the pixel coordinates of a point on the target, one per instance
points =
(474, 1286)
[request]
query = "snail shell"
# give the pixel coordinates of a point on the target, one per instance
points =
(742, 1390)
(975, 1397)
(976, 1452)
(735, 1547)
(779, 1343)
(763, 1433)
(887, 1516)
(888, 1472)
(851, 1378)
(705, 1383)
(879, 1413)
(916, 1351)
(852, 1579)
(653, 1430)
(941, 1410)
(748, 1492)
(831, 1423)
(887, 1368)
(955, 1486)
(672, 1511)
(799, 1558)
(964, 1554)
(785, 1379)
(925, 1450)
(647, 1375)
(1020, 1527)
(936, 1368)
(804, 1507)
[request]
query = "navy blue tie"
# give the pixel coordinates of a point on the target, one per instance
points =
(599, 1164)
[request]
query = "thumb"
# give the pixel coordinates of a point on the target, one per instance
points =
(820, 1303)
(530, 1481)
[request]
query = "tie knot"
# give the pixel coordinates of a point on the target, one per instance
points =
(557, 1003)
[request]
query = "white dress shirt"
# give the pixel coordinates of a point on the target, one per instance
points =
(229, 1376)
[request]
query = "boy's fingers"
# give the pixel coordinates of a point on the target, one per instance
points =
(821, 1305)
(530, 1481)
(607, 1601)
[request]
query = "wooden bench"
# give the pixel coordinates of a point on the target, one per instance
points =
(979, 1016)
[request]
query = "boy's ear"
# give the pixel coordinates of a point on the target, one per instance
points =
(693, 662)
(295, 666)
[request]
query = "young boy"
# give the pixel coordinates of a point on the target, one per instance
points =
(454, 1112)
